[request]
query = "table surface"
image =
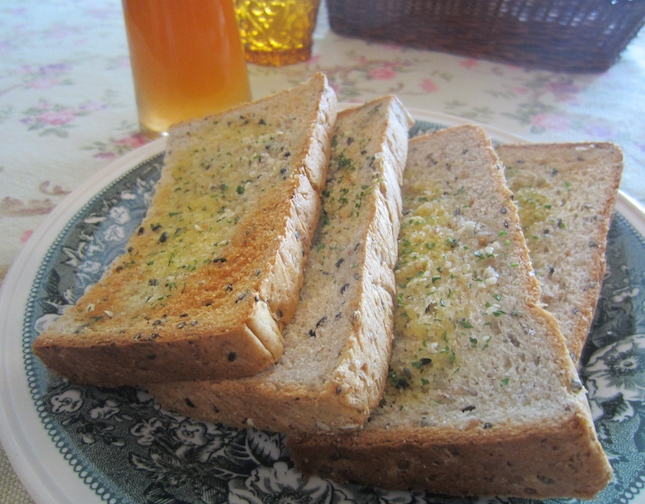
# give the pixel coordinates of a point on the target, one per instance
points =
(67, 106)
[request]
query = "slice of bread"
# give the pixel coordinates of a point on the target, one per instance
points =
(338, 344)
(214, 271)
(566, 194)
(483, 398)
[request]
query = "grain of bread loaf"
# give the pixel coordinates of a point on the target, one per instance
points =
(565, 194)
(214, 271)
(337, 346)
(482, 397)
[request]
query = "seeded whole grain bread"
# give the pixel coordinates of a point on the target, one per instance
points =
(337, 346)
(214, 271)
(565, 194)
(482, 397)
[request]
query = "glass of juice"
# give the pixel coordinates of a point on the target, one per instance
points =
(277, 32)
(187, 60)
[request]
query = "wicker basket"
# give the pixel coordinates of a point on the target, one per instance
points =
(563, 35)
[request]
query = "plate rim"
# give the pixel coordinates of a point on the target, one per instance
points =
(33, 456)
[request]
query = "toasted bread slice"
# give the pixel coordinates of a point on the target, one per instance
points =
(566, 194)
(338, 344)
(214, 271)
(483, 398)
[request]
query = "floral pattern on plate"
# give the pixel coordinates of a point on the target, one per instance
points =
(127, 448)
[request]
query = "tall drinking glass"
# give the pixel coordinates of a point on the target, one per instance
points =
(187, 60)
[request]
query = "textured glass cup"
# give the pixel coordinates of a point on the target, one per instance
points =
(187, 60)
(277, 32)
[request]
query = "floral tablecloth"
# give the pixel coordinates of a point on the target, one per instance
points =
(67, 106)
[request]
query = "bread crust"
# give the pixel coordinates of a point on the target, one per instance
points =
(217, 308)
(545, 461)
(483, 398)
(567, 192)
(347, 326)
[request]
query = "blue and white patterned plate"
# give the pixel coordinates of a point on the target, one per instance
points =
(73, 444)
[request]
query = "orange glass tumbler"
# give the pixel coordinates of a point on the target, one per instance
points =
(187, 60)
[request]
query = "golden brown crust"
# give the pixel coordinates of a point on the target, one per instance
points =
(337, 346)
(185, 302)
(560, 459)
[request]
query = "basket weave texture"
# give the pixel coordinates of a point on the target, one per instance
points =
(562, 35)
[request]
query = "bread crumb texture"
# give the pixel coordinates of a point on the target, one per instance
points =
(214, 271)
(566, 194)
(482, 396)
(337, 346)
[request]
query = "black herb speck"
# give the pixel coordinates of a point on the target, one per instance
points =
(189, 403)
(312, 333)
(344, 288)
(339, 262)
(468, 408)
(232, 356)
(153, 282)
(321, 321)
(163, 237)
(141, 231)
(402, 384)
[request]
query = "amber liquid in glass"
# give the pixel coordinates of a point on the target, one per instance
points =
(277, 32)
(187, 60)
